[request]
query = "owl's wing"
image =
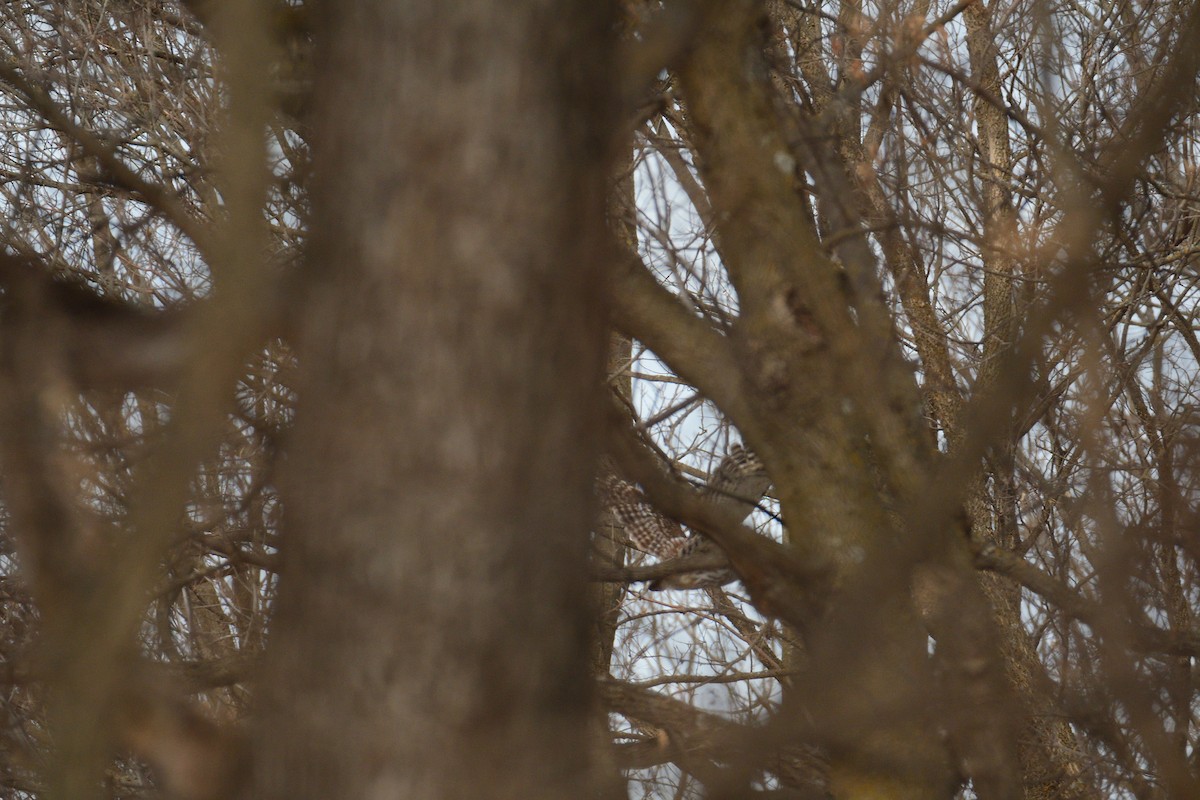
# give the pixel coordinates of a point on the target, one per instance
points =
(647, 529)
(738, 482)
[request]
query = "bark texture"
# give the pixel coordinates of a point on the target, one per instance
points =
(433, 622)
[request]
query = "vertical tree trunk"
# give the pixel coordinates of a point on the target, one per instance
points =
(433, 624)
(610, 549)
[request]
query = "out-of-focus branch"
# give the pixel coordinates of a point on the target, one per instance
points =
(291, 27)
(192, 756)
(90, 645)
(103, 343)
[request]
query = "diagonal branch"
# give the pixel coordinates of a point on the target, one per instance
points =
(693, 349)
(782, 581)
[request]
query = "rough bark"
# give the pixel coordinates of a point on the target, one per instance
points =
(1049, 766)
(796, 341)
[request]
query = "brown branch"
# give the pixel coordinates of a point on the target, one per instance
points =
(693, 349)
(654, 572)
(103, 342)
(1146, 638)
(696, 739)
(780, 580)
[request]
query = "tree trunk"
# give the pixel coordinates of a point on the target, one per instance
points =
(433, 621)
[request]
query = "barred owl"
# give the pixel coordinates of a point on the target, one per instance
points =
(737, 483)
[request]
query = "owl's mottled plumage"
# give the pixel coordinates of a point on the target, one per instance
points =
(738, 483)
(646, 529)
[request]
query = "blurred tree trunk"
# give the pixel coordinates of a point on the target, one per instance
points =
(609, 545)
(432, 637)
